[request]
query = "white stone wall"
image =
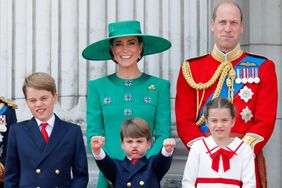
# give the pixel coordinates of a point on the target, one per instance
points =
(265, 38)
(49, 36)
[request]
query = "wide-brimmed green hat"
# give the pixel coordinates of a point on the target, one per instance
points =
(100, 50)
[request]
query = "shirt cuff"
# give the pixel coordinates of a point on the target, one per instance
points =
(165, 153)
(101, 155)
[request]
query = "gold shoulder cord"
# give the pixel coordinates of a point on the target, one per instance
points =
(8, 102)
(221, 72)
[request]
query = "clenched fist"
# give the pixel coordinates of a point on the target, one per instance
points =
(97, 142)
(169, 144)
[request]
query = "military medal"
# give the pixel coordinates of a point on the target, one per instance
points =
(3, 123)
(246, 114)
(244, 79)
(250, 76)
(238, 80)
(246, 94)
(256, 79)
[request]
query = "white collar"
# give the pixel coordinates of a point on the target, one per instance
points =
(50, 122)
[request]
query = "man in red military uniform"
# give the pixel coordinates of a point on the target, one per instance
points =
(249, 81)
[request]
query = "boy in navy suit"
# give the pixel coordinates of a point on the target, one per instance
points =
(135, 170)
(45, 151)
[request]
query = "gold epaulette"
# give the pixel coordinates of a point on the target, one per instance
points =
(195, 58)
(255, 55)
(8, 102)
(252, 139)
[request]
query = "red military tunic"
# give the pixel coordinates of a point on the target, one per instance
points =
(256, 112)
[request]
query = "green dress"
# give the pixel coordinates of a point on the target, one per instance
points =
(111, 100)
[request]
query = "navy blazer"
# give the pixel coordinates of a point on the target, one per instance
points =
(33, 163)
(146, 173)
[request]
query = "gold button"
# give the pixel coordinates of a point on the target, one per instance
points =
(38, 171)
(141, 183)
(57, 171)
(128, 184)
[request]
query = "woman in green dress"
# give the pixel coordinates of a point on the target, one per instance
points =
(127, 93)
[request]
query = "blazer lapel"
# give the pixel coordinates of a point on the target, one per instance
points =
(126, 164)
(35, 134)
(135, 168)
(56, 136)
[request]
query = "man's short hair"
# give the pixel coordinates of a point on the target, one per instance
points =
(227, 2)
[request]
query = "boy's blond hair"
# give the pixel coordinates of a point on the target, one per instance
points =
(40, 81)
